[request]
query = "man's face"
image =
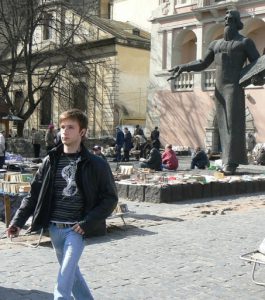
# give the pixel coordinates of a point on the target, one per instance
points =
(230, 19)
(70, 132)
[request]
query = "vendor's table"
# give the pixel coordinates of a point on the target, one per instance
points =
(7, 204)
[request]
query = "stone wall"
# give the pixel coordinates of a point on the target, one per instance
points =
(23, 147)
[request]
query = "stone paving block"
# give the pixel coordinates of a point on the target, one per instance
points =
(165, 194)
(122, 190)
(152, 194)
(218, 189)
(197, 190)
(262, 185)
(232, 188)
(176, 193)
(207, 190)
(256, 186)
(241, 187)
(249, 187)
(136, 192)
(187, 191)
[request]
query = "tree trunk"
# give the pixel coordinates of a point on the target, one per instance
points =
(20, 128)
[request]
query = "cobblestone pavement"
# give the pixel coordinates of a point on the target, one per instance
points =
(187, 250)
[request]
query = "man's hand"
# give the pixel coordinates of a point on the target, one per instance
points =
(78, 229)
(13, 231)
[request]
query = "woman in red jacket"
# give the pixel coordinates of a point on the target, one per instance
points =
(169, 158)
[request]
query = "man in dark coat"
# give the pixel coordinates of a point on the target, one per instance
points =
(155, 137)
(229, 55)
(118, 143)
(127, 146)
(72, 193)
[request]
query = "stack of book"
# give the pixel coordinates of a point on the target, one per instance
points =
(14, 182)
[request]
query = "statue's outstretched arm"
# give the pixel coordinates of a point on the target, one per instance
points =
(196, 66)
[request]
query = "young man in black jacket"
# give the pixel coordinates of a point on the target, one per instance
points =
(72, 193)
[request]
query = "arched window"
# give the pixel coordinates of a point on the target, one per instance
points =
(184, 46)
(19, 100)
(47, 26)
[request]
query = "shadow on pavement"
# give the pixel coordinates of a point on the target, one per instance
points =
(18, 294)
(154, 217)
(115, 232)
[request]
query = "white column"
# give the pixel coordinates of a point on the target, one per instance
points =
(199, 54)
(169, 48)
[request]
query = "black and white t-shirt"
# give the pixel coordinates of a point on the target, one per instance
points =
(67, 202)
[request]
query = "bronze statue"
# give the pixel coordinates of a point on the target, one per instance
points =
(229, 54)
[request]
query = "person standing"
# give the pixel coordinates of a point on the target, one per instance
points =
(251, 142)
(118, 144)
(155, 137)
(36, 142)
(127, 144)
(155, 134)
(72, 194)
(58, 139)
(138, 130)
(2, 148)
(49, 138)
(229, 55)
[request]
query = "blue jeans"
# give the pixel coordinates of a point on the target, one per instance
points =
(69, 246)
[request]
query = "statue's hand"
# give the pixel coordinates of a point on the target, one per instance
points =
(177, 70)
(258, 80)
(174, 69)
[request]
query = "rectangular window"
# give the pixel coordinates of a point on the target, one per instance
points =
(47, 26)
(79, 96)
(164, 50)
(46, 106)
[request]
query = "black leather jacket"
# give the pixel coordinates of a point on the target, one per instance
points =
(94, 180)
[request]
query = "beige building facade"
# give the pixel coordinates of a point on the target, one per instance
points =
(110, 81)
(181, 32)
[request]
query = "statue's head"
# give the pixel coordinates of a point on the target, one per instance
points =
(232, 17)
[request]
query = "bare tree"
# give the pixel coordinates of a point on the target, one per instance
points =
(37, 54)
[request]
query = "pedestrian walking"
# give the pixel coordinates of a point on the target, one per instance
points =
(72, 194)
(127, 146)
(36, 142)
(118, 144)
(49, 138)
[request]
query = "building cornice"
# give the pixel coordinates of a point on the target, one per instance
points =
(216, 9)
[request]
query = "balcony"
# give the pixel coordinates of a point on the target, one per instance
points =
(185, 82)
(205, 3)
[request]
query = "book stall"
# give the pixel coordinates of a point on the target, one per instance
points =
(13, 188)
(15, 183)
(16, 162)
(158, 187)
